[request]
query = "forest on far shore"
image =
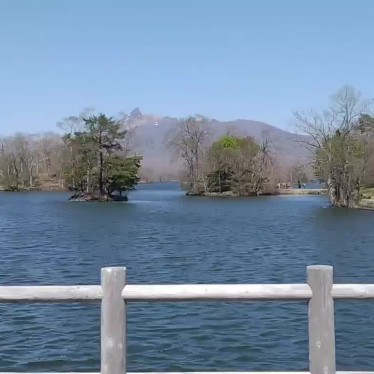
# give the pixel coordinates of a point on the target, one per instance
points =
(96, 154)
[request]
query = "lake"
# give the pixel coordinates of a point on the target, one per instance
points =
(162, 236)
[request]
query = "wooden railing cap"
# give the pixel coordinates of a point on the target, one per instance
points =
(319, 267)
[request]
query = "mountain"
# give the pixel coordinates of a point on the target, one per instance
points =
(134, 115)
(148, 133)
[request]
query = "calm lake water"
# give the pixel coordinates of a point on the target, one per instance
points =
(161, 236)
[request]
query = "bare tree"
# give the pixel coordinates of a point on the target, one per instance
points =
(26, 149)
(49, 147)
(338, 146)
(71, 125)
(27, 160)
(10, 165)
(129, 143)
(189, 141)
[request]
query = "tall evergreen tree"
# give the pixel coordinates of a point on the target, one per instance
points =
(106, 134)
(96, 159)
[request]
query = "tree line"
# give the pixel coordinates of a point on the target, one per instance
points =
(233, 164)
(92, 156)
(26, 159)
(340, 139)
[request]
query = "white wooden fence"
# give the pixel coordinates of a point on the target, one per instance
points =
(115, 293)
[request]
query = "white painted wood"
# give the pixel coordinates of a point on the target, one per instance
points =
(353, 291)
(227, 372)
(321, 321)
(205, 372)
(49, 293)
(247, 372)
(198, 372)
(186, 292)
(206, 292)
(113, 321)
(115, 294)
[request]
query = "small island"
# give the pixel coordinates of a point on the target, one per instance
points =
(91, 159)
(339, 138)
(99, 169)
(96, 157)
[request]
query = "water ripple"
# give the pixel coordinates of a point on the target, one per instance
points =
(165, 237)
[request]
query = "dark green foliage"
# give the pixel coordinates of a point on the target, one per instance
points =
(96, 162)
(121, 173)
(239, 165)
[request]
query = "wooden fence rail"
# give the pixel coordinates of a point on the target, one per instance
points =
(115, 293)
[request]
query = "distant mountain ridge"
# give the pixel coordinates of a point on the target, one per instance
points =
(134, 115)
(148, 133)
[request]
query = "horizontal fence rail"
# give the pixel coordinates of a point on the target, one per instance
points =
(204, 372)
(29, 294)
(114, 295)
(188, 292)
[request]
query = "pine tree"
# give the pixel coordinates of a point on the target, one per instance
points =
(96, 161)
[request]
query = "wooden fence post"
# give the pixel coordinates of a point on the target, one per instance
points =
(321, 321)
(113, 321)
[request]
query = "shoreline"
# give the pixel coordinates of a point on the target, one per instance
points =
(282, 192)
(366, 204)
(302, 191)
(35, 189)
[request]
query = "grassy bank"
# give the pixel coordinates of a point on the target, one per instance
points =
(367, 199)
(34, 189)
(302, 191)
(290, 191)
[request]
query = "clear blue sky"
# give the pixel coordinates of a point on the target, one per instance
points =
(226, 59)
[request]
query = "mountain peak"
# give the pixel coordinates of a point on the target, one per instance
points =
(135, 113)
